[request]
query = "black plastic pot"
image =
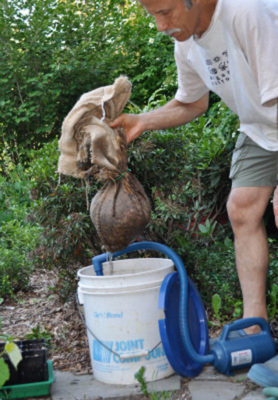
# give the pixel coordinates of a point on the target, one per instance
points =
(32, 367)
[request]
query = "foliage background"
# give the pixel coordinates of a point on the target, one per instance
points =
(52, 51)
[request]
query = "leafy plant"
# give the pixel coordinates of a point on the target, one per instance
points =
(17, 235)
(238, 309)
(216, 303)
(48, 60)
(12, 351)
(207, 228)
(272, 305)
(68, 239)
(139, 375)
(40, 333)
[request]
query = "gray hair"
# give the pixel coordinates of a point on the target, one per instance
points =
(188, 4)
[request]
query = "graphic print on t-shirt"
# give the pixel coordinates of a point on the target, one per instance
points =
(218, 68)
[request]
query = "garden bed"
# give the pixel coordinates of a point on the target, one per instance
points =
(39, 313)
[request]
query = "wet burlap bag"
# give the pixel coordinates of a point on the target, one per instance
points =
(88, 146)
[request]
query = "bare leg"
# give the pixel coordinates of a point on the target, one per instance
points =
(275, 205)
(246, 208)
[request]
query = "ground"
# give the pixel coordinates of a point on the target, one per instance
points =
(39, 307)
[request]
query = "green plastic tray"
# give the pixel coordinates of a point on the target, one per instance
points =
(26, 390)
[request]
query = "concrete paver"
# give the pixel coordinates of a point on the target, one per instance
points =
(211, 374)
(212, 385)
(215, 390)
(209, 385)
(68, 386)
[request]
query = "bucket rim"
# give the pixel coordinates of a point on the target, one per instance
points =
(122, 288)
(141, 273)
(119, 292)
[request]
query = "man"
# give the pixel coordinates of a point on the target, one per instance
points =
(229, 47)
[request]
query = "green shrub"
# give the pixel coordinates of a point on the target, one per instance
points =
(213, 270)
(54, 51)
(185, 172)
(17, 235)
(68, 239)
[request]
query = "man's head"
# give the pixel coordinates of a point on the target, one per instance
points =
(181, 18)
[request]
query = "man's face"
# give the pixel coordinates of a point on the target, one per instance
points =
(173, 18)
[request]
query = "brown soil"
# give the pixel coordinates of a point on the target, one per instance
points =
(38, 306)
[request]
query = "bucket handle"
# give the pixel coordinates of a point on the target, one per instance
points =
(120, 356)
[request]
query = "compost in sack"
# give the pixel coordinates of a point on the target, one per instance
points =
(88, 146)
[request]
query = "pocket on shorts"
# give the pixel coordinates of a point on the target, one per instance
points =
(239, 153)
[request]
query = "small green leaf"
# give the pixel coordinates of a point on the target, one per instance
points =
(202, 228)
(216, 303)
(14, 353)
(4, 372)
(9, 347)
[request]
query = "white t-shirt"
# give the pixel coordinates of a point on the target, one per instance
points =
(237, 58)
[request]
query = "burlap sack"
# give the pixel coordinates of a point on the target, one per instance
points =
(88, 146)
(86, 138)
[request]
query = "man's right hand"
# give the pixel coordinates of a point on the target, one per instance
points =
(132, 125)
(171, 114)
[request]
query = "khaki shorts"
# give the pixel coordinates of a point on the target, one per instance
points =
(252, 165)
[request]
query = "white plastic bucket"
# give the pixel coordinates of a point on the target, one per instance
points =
(122, 322)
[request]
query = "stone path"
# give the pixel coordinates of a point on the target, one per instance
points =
(209, 385)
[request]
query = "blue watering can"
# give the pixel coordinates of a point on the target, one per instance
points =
(184, 330)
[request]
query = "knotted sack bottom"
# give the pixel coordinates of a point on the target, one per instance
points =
(120, 211)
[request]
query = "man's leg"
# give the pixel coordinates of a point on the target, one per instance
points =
(275, 205)
(246, 207)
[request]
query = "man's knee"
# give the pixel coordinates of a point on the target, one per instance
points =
(236, 209)
(247, 205)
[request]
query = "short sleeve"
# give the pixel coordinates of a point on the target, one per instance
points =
(256, 27)
(190, 86)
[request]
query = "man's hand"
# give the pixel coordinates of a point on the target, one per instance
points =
(172, 114)
(275, 205)
(132, 125)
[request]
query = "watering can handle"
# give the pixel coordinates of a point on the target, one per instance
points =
(145, 245)
(244, 323)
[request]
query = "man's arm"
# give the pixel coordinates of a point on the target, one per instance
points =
(170, 115)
